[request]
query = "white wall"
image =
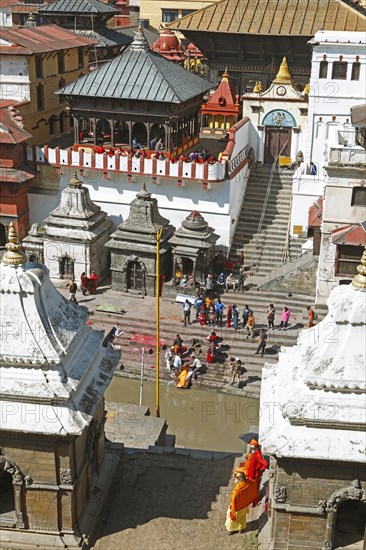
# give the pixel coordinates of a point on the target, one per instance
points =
(330, 97)
(6, 19)
(305, 190)
(14, 78)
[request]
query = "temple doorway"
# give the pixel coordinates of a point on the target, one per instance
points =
(350, 525)
(66, 267)
(7, 503)
(139, 133)
(3, 236)
(277, 140)
(135, 277)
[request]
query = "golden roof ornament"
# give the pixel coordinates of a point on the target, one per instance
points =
(14, 254)
(283, 76)
(75, 183)
(359, 281)
(306, 89)
(225, 76)
(258, 87)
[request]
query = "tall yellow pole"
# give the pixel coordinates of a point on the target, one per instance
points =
(157, 293)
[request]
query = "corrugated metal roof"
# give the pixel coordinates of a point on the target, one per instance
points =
(104, 37)
(139, 75)
(83, 7)
(150, 35)
(42, 39)
(273, 17)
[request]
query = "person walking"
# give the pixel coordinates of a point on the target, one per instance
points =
(285, 316)
(249, 327)
(271, 316)
(229, 316)
(187, 312)
(219, 311)
(209, 285)
(84, 283)
(236, 370)
(93, 282)
(72, 286)
(241, 281)
(168, 359)
(311, 316)
(236, 312)
(262, 342)
(245, 314)
(197, 305)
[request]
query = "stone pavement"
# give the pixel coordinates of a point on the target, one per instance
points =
(174, 499)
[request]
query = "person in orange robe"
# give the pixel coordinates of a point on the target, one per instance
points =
(184, 377)
(253, 466)
(242, 495)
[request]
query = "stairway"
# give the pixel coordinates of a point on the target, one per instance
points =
(263, 251)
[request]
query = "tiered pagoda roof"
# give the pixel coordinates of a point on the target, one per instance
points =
(169, 46)
(223, 101)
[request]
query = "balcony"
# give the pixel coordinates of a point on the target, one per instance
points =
(347, 156)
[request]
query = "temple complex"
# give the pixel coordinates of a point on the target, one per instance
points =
(280, 114)
(222, 109)
(133, 247)
(71, 239)
(169, 47)
(312, 425)
(54, 472)
(138, 96)
(250, 38)
(193, 244)
(89, 18)
(14, 180)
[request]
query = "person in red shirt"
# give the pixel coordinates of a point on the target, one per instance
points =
(209, 356)
(93, 282)
(253, 466)
(100, 149)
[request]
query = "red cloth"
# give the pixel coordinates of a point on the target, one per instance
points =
(257, 466)
(209, 356)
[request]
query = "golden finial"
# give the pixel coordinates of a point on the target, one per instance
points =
(15, 254)
(225, 76)
(283, 75)
(75, 182)
(258, 87)
(359, 281)
(306, 89)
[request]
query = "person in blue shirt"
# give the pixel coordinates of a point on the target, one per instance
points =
(236, 312)
(221, 281)
(135, 144)
(153, 142)
(197, 304)
(219, 311)
(313, 169)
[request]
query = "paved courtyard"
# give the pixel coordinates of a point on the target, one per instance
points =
(165, 502)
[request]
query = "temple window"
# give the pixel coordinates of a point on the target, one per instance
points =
(169, 15)
(80, 58)
(39, 66)
(323, 69)
(358, 196)
(348, 259)
(339, 71)
(356, 68)
(187, 12)
(7, 502)
(40, 97)
(51, 124)
(61, 84)
(61, 62)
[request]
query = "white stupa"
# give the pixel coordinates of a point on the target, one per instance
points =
(313, 403)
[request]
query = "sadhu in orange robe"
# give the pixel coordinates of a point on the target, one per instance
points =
(253, 468)
(243, 494)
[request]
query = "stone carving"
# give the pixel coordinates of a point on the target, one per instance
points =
(280, 494)
(28, 481)
(10, 467)
(65, 475)
(353, 492)
(328, 545)
(19, 520)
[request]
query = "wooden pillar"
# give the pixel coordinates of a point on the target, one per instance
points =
(76, 130)
(111, 122)
(129, 124)
(18, 487)
(225, 119)
(94, 130)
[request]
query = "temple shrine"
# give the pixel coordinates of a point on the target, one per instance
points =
(280, 115)
(313, 427)
(222, 109)
(89, 18)
(55, 473)
(169, 47)
(137, 98)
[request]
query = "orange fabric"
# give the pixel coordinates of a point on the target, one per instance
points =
(182, 380)
(243, 494)
(310, 315)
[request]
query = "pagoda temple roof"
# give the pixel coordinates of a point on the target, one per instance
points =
(139, 74)
(267, 18)
(223, 99)
(79, 7)
(11, 126)
(104, 37)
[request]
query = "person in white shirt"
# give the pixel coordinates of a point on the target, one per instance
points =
(177, 363)
(230, 282)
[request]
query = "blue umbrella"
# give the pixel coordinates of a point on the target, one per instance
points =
(248, 436)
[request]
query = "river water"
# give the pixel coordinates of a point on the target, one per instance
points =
(199, 419)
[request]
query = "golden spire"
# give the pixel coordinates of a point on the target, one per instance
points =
(283, 75)
(15, 254)
(258, 87)
(359, 281)
(75, 182)
(225, 76)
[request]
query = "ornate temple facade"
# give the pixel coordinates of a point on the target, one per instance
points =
(280, 113)
(312, 425)
(54, 470)
(133, 247)
(222, 109)
(71, 239)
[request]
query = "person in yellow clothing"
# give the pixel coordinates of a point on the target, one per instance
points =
(184, 377)
(242, 495)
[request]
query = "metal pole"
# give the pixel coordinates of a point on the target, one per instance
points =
(142, 374)
(157, 291)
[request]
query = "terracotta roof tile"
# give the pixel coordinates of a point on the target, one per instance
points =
(273, 17)
(10, 129)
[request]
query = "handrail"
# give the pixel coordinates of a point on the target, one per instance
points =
(264, 207)
(286, 249)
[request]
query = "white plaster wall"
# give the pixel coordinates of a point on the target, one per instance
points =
(337, 205)
(305, 190)
(14, 78)
(237, 191)
(114, 196)
(330, 97)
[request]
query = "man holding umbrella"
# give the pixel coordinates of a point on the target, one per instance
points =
(254, 465)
